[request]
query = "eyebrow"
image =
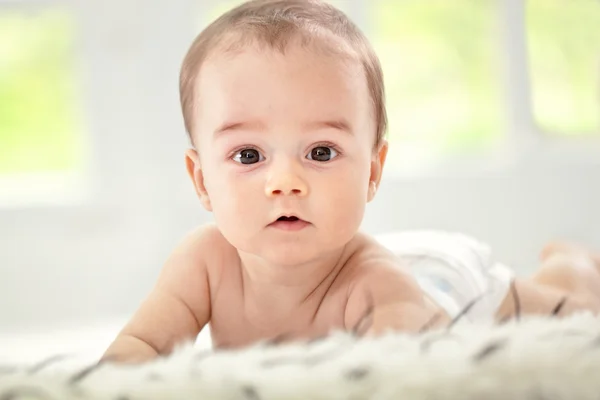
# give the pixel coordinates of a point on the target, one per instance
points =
(338, 124)
(236, 126)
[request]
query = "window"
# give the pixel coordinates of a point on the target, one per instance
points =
(440, 62)
(444, 67)
(40, 129)
(563, 38)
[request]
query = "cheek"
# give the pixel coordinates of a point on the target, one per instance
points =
(233, 197)
(346, 198)
(349, 197)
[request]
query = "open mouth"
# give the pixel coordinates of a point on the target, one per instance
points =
(289, 223)
(289, 219)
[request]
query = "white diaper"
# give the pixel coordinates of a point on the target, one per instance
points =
(453, 269)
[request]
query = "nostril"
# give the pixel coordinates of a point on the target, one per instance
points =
(278, 192)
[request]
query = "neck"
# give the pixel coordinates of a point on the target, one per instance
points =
(275, 292)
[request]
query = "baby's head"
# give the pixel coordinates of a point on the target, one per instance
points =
(284, 104)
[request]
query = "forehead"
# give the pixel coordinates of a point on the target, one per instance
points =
(298, 82)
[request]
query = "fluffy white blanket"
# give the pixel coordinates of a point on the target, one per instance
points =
(534, 358)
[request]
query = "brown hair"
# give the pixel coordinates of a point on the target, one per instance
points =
(274, 23)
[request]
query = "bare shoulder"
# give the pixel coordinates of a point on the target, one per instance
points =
(198, 241)
(380, 281)
(179, 305)
(371, 262)
(202, 251)
(185, 276)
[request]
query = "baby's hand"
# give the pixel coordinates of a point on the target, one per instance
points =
(128, 349)
(404, 317)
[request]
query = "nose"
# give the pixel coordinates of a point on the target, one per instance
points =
(286, 179)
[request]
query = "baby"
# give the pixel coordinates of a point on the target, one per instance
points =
(283, 101)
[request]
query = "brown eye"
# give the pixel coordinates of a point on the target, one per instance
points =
(248, 156)
(322, 153)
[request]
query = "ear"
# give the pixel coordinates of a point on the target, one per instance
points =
(377, 163)
(192, 163)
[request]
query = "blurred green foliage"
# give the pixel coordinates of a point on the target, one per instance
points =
(38, 94)
(440, 60)
(564, 47)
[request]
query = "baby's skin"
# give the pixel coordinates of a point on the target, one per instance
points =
(204, 282)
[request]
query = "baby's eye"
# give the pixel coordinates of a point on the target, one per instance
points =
(248, 156)
(322, 153)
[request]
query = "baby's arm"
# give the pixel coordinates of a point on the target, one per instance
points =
(174, 312)
(386, 298)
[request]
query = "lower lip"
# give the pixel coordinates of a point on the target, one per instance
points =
(290, 225)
